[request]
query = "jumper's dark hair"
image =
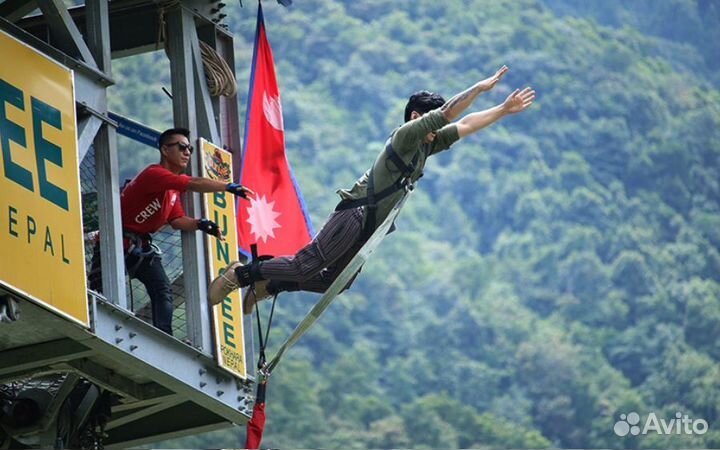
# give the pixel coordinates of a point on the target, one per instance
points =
(422, 102)
(165, 136)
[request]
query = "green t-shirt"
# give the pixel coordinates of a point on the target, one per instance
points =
(407, 141)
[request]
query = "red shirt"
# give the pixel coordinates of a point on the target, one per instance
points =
(152, 199)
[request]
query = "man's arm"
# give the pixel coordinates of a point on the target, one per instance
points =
(460, 102)
(415, 130)
(186, 223)
(516, 102)
(200, 184)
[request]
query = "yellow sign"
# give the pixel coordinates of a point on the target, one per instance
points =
(41, 239)
(220, 208)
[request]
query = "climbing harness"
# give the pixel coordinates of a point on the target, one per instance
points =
(370, 202)
(141, 247)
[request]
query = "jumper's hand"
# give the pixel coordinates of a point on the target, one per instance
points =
(519, 100)
(239, 190)
(490, 82)
(211, 228)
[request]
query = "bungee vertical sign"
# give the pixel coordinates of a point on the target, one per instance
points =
(220, 208)
(41, 237)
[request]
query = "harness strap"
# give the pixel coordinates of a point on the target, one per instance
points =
(398, 185)
(262, 359)
(141, 247)
(405, 169)
(370, 208)
(263, 340)
(136, 236)
(372, 199)
(137, 240)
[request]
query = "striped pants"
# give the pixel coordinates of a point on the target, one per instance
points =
(316, 265)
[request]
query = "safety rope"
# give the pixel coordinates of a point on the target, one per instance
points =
(162, 31)
(218, 74)
(338, 285)
(262, 359)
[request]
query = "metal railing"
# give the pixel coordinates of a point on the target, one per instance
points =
(167, 239)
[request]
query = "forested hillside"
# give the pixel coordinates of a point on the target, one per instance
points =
(550, 273)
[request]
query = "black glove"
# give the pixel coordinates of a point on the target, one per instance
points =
(237, 189)
(209, 227)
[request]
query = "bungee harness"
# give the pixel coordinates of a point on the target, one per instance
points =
(370, 202)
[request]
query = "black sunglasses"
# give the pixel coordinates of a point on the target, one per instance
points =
(181, 146)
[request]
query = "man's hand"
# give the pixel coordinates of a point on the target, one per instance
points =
(490, 82)
(516, 102)
(460, 102)
(211, 228)
(519, 100)
(239, 190)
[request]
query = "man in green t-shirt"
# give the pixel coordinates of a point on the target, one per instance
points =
(428, 129)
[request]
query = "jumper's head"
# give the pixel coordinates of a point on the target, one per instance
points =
(420, 103)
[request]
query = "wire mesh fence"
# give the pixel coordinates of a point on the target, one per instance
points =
(167, 239)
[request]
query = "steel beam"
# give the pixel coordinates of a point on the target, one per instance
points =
(111, 244)
(115, 382)
(181, 420)
(87, 129)
(134, 437)
(29, 373)
(143, 349)
(134, 26)
(85, 406)
(14, 10)
(171, 388)
(82, 70)
(66, 388)
(206, 117)
(230, 126)
(137, 405)
(120, 420)
(41, 355)
(97, 24)
(181, 26)
(65, 33)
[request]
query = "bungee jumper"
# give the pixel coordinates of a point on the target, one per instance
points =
(365, 215)
(428, 130)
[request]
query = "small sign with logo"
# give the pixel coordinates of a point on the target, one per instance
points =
(220, 208)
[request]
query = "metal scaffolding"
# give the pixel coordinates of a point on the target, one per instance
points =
(128, 382)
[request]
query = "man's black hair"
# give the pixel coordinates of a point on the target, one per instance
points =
(422, 102)
(165, 136)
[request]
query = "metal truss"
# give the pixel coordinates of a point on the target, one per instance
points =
(161, 387)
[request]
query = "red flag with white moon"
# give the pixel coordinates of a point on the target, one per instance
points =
(275, 219)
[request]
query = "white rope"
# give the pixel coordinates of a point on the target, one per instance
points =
(219, 76)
